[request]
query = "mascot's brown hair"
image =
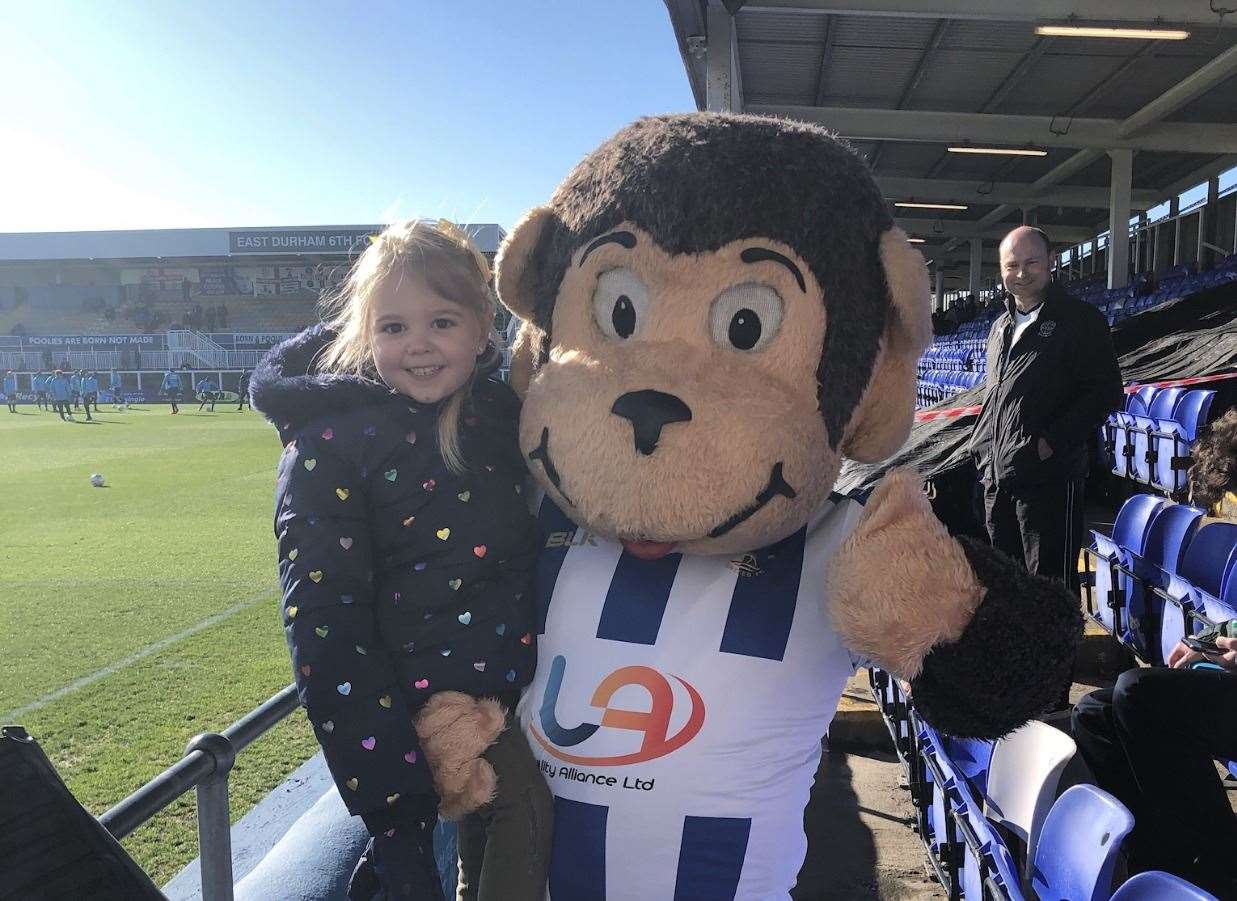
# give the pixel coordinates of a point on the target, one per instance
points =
(717, 308)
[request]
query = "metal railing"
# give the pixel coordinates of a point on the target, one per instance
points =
(206, 766)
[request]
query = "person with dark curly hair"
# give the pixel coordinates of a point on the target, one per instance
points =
(1213, 477)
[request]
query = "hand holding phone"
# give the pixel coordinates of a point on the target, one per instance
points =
(1203, 647)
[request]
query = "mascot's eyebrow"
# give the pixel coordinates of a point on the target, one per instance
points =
(760, 254)
(626, 239)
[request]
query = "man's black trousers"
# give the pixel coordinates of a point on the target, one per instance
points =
(1151, 741)
(1041, 525)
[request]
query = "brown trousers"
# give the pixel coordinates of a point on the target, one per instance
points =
(505, 846)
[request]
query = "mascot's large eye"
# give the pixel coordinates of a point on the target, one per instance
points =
(620, 303)
(746, 317)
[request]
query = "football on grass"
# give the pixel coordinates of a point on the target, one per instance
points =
(97, 480)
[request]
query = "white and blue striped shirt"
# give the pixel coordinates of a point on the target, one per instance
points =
(678, 709)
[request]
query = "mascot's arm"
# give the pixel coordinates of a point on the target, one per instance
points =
(985, 645)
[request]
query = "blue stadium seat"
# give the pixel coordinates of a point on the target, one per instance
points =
(1145, 395)
(1129, 534)
(1164, 403)
(1155, 885)
(1209, 557)
(1078, 845)
(1150, 618)
(1192, 411)
(1171, 452)
(970, 757)
(1139, 430)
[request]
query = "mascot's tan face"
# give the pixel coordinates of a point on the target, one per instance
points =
(678, 408)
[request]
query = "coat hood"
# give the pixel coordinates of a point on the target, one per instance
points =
(289, 390)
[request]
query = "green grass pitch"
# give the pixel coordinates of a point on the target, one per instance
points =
(136, 615)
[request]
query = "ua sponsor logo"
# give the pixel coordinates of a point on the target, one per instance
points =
(653, 724)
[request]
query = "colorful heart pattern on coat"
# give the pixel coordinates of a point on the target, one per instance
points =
(345, 543)
(315, 575)
(352, 783)
(292, 611)
(479, 551)
(344, 688)
(328, 433)
(443, 534)
(292, 554)
(465, 618)
(385, 701)
(391, 475)
(369, 743)
(342, 493)
(309, 464)
(421, 684)
(455, 584)
(465, 496)
(323, 631)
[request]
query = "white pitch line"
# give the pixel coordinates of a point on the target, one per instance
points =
(145, 652)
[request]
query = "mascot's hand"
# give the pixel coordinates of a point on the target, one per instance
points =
(454, 729)
(900, 583)
(985, 644)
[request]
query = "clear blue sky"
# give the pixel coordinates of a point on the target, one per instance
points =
(171, 113)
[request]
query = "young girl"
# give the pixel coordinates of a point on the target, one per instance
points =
(405, 554)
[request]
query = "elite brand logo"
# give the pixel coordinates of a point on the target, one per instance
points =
(653, 724)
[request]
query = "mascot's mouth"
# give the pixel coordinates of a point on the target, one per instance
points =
(777, 486)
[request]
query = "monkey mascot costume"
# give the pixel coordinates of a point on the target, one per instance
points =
(717, 309)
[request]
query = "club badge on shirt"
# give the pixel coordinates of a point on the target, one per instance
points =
(1047, 328)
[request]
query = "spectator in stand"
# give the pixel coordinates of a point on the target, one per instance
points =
(186, 320)
(39, 385)
(1052, 379)
(1152, 739)
(171, 387)
(61, 395)
(90, 392)
(10, 390)
(210, 319)
(242, 389)
(223, 315)
(1213, 477)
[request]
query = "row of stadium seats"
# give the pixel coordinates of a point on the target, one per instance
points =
(991, 820)
(1145, 293)
(964, 349)
(1149, 441)
(937, 386)
(1161, 575)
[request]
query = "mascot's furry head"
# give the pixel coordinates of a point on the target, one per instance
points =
(717, 308)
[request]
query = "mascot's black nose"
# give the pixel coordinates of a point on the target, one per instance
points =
(648, 412)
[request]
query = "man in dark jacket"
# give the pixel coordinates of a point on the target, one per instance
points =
(1052, 379)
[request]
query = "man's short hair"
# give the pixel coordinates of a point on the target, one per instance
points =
(1039, 231)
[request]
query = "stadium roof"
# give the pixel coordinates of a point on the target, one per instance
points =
(905, 79)
(206, 243)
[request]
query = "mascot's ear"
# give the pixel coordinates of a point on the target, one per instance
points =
(519, 271)
(518, 264)
(883, 418)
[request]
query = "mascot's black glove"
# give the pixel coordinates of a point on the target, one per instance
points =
(985, 645)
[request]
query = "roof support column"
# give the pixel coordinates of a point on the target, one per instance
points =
(977, 265)
(1119, 217)
(1210, 230)
(721, 62)
(938, 303)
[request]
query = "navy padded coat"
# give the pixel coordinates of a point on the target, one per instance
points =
(399, 578)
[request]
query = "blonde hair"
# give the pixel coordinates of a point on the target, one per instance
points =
(444, 256)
